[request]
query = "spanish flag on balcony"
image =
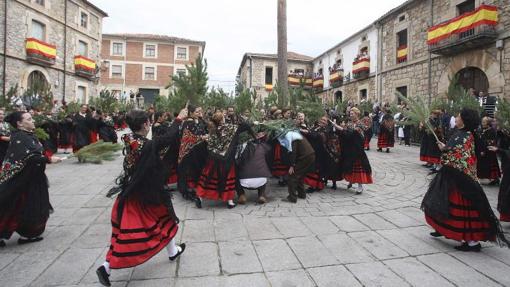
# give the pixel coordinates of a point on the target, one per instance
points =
(269, 87)
(308, 82)
(484, 15)
(402, 53)
(35, 46)
(361, 65)
(336, 76)
(84, 63)
(294, 80)
(318, 82)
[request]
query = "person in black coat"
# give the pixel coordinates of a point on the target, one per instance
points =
(24, 199)
(81, 128)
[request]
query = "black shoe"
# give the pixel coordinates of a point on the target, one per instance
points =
(367, 148)
(22, 241)
(289, 199)
(2, 243)
(466, 248)
(387, 150)
(334, 186)
(302, 196)
(494, 182)
(183, 247)
(198, 203)
(103, 276)
(436, 234)
(349, 185)
(281, 183)
(310, 190)
(379, 149)
(230, 206)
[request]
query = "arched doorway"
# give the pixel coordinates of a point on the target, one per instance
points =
(472, 77)
(37, 81)
(338, 96)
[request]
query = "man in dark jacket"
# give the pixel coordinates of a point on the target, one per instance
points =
(302, 160)
(253, 171)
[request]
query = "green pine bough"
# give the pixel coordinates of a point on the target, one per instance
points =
(98, 152)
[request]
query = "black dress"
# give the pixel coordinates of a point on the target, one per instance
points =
(81, 131)
(24, 198)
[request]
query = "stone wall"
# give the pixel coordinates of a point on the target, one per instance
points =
(19, 20)
(415, 72)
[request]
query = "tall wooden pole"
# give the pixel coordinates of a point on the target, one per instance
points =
(283, 96)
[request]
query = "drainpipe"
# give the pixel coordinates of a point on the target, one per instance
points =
(5, 50)
(65, 53)
(251, 72)
(378, 66)
(430, 54)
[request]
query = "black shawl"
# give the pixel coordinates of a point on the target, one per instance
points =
(23, 174)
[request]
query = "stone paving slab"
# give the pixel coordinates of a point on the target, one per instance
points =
(333, 238)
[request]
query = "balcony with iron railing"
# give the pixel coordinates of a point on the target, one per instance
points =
(40, 53)
(300, 79)
(84, 67)
(361, 67)
(466, 32)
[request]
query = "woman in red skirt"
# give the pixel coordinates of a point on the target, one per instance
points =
(218, 179)
(487, 164)
(455, 204)
(386, 138)
(143, 218)
(24, 199)
(429, 152)
(355, 165)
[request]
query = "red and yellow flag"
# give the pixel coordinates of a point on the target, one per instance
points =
(483, 15)
(269, 87)
(35, 46)
(318, 82)
(84, 63)
(402, 53)
(336, 76)
(294, 80)
(361, 65)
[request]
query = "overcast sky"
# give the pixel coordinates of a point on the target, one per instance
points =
(234, 27)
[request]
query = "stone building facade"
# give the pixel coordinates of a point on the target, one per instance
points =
(479, 56)
(401, 59)
(259, 72)
(144, 63)
(55, 41)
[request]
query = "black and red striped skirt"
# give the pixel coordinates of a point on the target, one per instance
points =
(279, 168)
(488, 168)
(142, 233)
(10, 221)
(207, 186)
(384, 141)
(314, 181)
(430, 159)
(366, 143)
(505, 217)
(464, 223)
(358, 174)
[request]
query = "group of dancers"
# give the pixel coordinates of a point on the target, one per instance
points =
(222, 154)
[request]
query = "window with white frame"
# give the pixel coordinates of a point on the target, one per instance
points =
(182, 53)
(83, 48)
(81, 94)
(84, 20)
(149, 73)
(181, 72)
(150, 51)
(117, 49)
(116, 71)
(38, 30)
